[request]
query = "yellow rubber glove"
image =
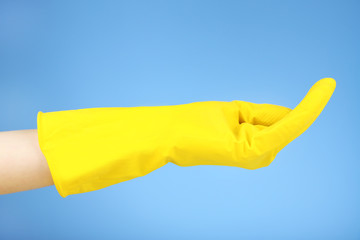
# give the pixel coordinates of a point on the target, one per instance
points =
(89, 149)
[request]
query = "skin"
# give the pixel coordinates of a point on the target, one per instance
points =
(22, 164)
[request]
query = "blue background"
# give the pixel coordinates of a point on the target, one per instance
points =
(78, 54)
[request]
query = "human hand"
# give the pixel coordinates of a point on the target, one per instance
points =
(242, 134)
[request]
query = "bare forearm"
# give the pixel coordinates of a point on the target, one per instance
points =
(22, 164)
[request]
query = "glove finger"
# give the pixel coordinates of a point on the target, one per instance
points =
(260, 114)
(298, 120)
